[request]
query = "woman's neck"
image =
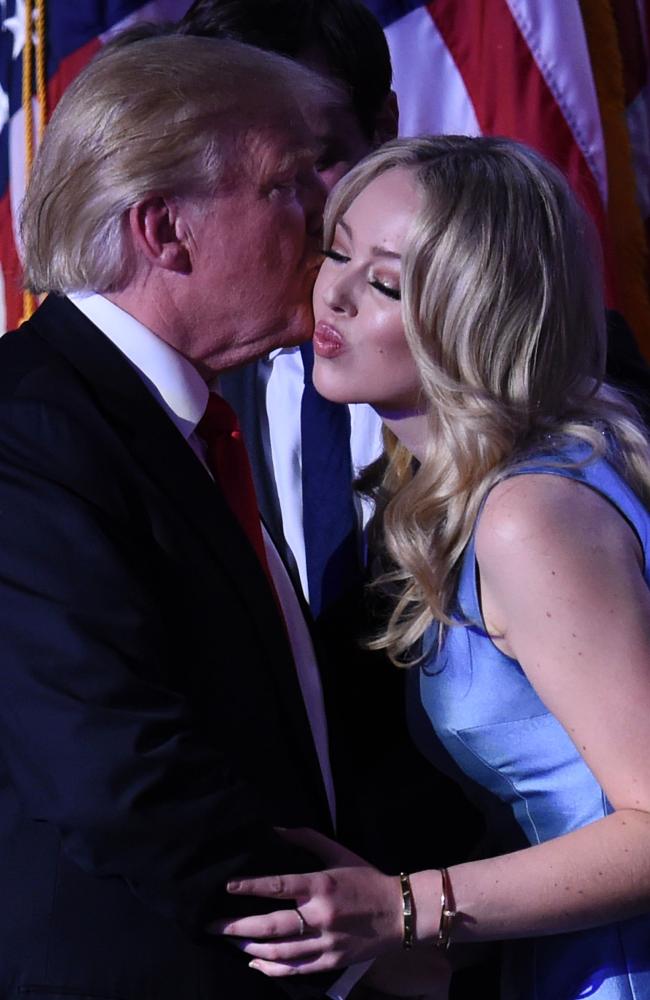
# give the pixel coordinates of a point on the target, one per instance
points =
(411, 427)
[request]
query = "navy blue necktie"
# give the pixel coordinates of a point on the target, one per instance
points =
(329, 517)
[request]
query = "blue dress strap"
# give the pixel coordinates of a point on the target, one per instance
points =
(570, 459)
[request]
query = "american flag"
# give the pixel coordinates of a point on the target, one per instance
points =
(569, 77)
(73, 31)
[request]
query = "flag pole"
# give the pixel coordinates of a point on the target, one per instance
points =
(29, 51)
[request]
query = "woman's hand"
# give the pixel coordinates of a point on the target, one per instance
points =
(349, 913)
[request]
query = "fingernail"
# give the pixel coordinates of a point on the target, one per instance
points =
(280, 829)
(233, 886)
(254, 965)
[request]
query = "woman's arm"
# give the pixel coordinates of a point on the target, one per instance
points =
(563, 593)
(562, 584)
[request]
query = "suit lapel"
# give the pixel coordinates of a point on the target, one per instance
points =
(240, 388)
(158, 447)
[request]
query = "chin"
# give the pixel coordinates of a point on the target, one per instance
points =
(335, 394)
(287, 333)
(295, 338)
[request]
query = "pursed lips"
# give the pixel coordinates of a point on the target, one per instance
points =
(328, 341)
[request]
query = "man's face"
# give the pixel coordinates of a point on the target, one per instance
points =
(342, 140)
(342, 143)
(255, 250)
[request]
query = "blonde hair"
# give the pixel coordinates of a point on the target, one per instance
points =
(503, 312)
(170, 115)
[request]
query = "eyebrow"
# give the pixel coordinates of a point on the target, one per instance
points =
(270, 164)
(375, 251)
(302, 156)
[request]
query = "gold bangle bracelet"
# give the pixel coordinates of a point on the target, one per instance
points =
(448, 912)
(407, 910)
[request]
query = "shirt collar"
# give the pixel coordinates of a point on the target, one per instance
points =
(272, 355)
(169, 376)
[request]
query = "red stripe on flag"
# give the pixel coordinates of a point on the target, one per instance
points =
(509, 93)
(11, 270)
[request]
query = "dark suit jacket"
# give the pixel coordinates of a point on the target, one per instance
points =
(151, 724)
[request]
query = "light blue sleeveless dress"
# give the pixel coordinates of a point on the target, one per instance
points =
(474, 714)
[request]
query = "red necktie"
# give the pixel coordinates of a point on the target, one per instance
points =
(228, 462)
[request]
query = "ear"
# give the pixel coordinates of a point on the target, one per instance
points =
(153, 223)
(387, 120)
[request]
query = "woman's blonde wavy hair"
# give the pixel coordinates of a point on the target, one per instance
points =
(503, 312)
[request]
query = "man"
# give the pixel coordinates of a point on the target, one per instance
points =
(153, 729)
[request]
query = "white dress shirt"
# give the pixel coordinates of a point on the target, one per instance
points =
(183, 395)
(281, 385)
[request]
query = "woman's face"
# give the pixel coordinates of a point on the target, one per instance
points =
(360, 352)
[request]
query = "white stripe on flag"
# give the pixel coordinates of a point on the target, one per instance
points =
(554, 33)
(430, 89)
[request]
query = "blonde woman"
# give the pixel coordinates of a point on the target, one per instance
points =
(460, 295)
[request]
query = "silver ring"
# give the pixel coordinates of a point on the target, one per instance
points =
(303, 923)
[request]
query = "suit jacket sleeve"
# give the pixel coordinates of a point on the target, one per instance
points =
(96, 742)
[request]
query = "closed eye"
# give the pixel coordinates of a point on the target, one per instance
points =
(392, 293)
(334, 255)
